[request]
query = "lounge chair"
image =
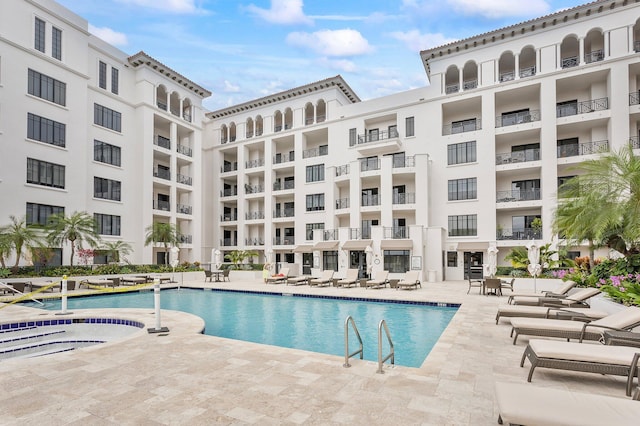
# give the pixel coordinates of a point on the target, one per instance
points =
(325, 279)
(411, 280)
(279, 278)
(602, 359)
(507, 284)
(299, 280)
(524, 404)
(579, 298)
(381, 280)
(133, 280)
(524, 311)
(560, 291)
(350, 279)
(474, 283)
(625, 319)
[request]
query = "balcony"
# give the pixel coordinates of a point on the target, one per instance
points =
(520, 117)
(355, 233)
(161, 205)
(584, 107)
(369, 165)
(400, 162)
(229, 192)
(595, 56)
(507, 76)
(229, 167)
(284, 213)
(405, 198)
(315, 152)
(282, 185)
(253, 189)
(527, 72)
(395, 232)
(183, 208)
(280, 158)
(228, 242)
(162, 105)
(185, 180)
(377, 136)
(518, 195)
(342, 170)
(254, 215)
(284, 241)
(586, 148)
(370, 200)
(256, 241)
(570, 62)
(184, 150)
(469, 84)
(162, 174)
(330, 234)
(518, 156)
(162, 142)
(287, 126)
(452, 88)
(185, 239)
(634, 98)
(229, 217)
(462, 126)
(187, 117)
(634, 142)
(342, 203)
(518, 234)
(254, 163)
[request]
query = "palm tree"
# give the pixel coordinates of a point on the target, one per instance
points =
(115, 249)
(238, 256)
(570, 218)
(165, 233)
(77, 228)
(17, 236)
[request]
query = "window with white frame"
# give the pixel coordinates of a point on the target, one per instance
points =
(463, 225)
(44, 173)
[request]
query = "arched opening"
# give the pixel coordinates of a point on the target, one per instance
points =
(277, 121)
(636, 36)
(452, 80)
(161, 97)
(309, 114)
(527, 62)
(506, 67)
(224, 134)
(174, 104)
(288, 118)
(232, 132)
(594, 46)
(470, 75)
(248, 128)
(569, 52)
(321, 111)
(187, 109)
(259, 125)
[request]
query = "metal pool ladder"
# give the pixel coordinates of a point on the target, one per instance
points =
(392, 351)
(360, 351)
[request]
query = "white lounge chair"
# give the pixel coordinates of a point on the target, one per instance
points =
(524, 311)
(574, 299)
(325, 279)
(280, 277)
(559, 291)
(381, 280)
(411, 280)
(350, 279)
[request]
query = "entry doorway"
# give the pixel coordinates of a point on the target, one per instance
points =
(307, 263)
(473, 265)
(358, 260)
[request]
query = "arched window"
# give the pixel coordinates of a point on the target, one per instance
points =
(248, 130)
(288, 118)
(277, 121)
(224, 134)
(232, 132)
(594, 46)
(506, 67)
(321, 111)
(452, 80)
(569, 52)
(527, 62)
(470, 75)
(174, 104)
(259, 126)
(161, 97)
(309, 114)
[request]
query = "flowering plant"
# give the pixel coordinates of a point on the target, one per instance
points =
(622, 288)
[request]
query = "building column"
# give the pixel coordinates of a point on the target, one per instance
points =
(516, 66)
(460, 79)
(581, 51)
(558, 56)
(607, 40)
(631, 39)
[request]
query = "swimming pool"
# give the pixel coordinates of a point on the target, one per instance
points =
(310, 323)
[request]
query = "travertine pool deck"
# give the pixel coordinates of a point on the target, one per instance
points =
(183, 377)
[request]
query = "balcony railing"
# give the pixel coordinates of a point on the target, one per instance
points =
(342, 170)
(224, 140)
(595, 56)
(405, 198)
(583, 107)
(162, 174)
(185, 239)
(462, 126)
(253, 189)
(228, 242)
(256, 241)
(330, 234)
(342, 203)
(229, 217)
(318, 119)
(229, 167)
(316, 152)
(452, 88)
(284, 158)
(185, 150)
(175, 111)
(186, 116)
(355, 233)
(634, 98)
(469, 84)
(162, 142)
(256, 215)
(517, 118)
(229, 192)
(248, 134)
(284, 213)
(161, 205)
(395, 232)
(183, 208)
(400, 162)
(518, 195)
(254, 163)
(507, 76)
(634, 142)
(570, 62)
(369, 164)
(370, 200)
(518, 234)
(527, 72)
(585, 148)
(380, 135)
(518, 156)
(162, 105)
(636, 46)
(284, 241)
(183, 179)
(282, 185)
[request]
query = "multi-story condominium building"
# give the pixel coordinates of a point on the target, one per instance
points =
(313, 177)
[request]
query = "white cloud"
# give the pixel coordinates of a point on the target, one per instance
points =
(331, 43)
(498, 8)
(110, 36)
(417, 41)
(342, 65)
(173, 6)
(230, 88)
(282, 12)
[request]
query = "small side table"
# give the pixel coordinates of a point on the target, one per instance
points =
(363, 282)
(393, 283)
(621, 338)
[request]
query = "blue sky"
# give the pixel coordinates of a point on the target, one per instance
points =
(242, 50)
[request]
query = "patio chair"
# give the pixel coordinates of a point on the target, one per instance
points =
(579, 298)
(589, 358)
(381, 280)
(474, 283)
(626, 319)
(493, 284)
(410, 281)
(560, 291)
(524, 404)
(524, 311)
(225, 275)
(350, 279)
(507, 284)
(325, 279)
(20, 286)
(208, 276)
(279, 278)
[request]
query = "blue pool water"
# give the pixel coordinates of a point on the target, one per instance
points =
(308, 323)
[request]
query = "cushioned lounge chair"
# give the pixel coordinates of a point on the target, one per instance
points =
(410, 281)
(325, 279)
(507, 284)
(524, 311)
(625, 319)
(381, 280)
(350, 279)
(524, 404)
(590, 358)
(579, 298)
(560, 291)
(299, 280)
(279, 278)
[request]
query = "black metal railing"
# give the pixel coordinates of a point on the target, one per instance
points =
(163, 142)
(518, 234)
(514, 118)
(284, 158)
(507, 76)
(370, 200)
(527, 72)
(400, 162)
(161, 205)
(469, 84)
(585, 148)
(518, 156)
(634, 98)
(185, 150)
(583, 107)
(162, 105)
(254, 163)
(281, 185)
(183, 208)
(462, 126)
(634, 142)
(370, 164)
(595, 56)
(377, 136)
(254, 215)
(636, 46)
(355, 233)
(229, 217)
(570, 62)
(162, 174)
(395, 232)
(185, 180)
(228, 242)
(229, 167)
(315, 152)
(518, 195)
(330, 234)
(284, 241)
(185, 239)
(342, 203)
(452, 88)
(404, 198)
(229, 192)
(256, 241)
(342, 170)
(290, 212)
(253, 189)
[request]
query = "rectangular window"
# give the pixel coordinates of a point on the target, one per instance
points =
(107, 224)
(369, 163)
(393, 131)
(106, 189)
(315, 202)
(56, 43)
(459, 153)
(114, 80)
(463, 225)
(106, 153)
(315, 173)
(47, 88)
(44, 130)
(38, 214)
(102, 75)
(409, 124)
(311, 227)
(452, 259)
(39, 39)
(105, 117)
(463, 189)
(44, 173)
(370, 197)
(330, 260)
(353, 136)
(323, 150)
(396, 261)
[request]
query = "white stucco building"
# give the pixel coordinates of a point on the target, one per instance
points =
(313, 176)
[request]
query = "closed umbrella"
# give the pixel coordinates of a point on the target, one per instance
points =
(369, 259)
(493, 261)
(216, 260)
(534, 267)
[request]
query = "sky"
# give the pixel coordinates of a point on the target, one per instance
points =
(243, 50)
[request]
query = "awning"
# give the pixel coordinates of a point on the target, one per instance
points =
(356, 244)
(396, 244)
(306, 248)
(326, 245)
(473, 245)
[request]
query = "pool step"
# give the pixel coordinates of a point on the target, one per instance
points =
(44, 348)
(26, 336)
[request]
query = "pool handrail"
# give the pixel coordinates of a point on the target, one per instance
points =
(392, 350)
(347, 355)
